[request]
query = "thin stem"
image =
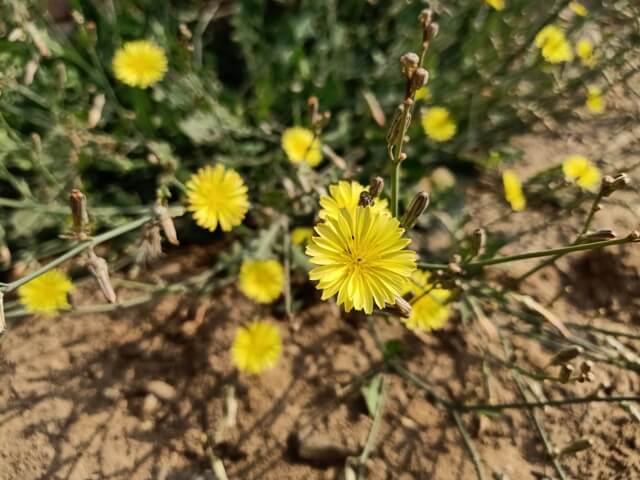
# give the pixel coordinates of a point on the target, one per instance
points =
(534, 254)
(395, 188)
(468, 443)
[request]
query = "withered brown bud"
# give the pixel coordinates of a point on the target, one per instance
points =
(409, 62)
(365, 200)
(151, 245)
(419, 79)
(432, 31)
(416, 208)
(565, 355)
(599, 235)
(79, 214)
(611, 184)
(401, 308)
(166, 222)
(100, 270)
(376, 186)
(575, 447)
(478, 241)
(634, 236)
(402, 157)
(566, 371)
(425, 17)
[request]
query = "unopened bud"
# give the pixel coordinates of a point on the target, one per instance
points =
(634, 236)
(409, 62)
(401, 308)
(478, 241)
(416, 208)
(419, 79)
(565, 355)
(599, 235)
(78, 203)
(365, 200)
(100, 270)
(425, 17)
(151, 245)
(432, 31)
(566, 371)
(3, 322)
(575, 447)
(376, 186)
(166, 222)
(402, 157)
(611, 184)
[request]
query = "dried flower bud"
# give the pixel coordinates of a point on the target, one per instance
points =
(478, 241)
(432, 31)
(565, 355)
(314, 107)
(416, 208)
(376, 186)
(575, 447)
(611, 184)
(166, 222)
(409, 62)
(100, 270)
(634, 236)
(401, 308)
(419, 79)
(3, 322)
(78, 203)
(151, 245)
(599, 235)
(566, 371)
(365, 200)
(425, 17)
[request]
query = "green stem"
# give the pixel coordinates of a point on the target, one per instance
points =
(534, 254)
(475, 458)
(395, 188)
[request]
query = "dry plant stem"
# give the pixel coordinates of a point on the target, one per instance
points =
(375, 427)
(286, 251)
(468, 443)
(536, 254)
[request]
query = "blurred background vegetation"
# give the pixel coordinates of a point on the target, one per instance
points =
(240, 71)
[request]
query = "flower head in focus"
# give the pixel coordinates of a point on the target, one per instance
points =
(139, 63)
(595, 101)
(256, 347)
(362, 257)
(261, 280)
(582, 172)
(438, 124)
(513, 191)
(217, 196)
(302, 146)
(496, 4)
(301, 235)
(46, 293)
(346, 194)
(579, 9)
(554, 45)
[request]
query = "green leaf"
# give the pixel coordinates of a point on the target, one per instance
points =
(371, 393)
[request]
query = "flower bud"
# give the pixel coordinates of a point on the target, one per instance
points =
(416, 208)
(100, 270)
(419, 79)
(599, 235)
(425, 17)
(376, 186)
(432, 31)
(78, 203)
(365, 200)
(478, 241)
(401, 308)
(166, 222)
(565, 355)
(151, 245)
(611, 184)
(634, 236)
(409, 62)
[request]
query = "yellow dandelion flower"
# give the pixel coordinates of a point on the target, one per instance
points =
(301, 146)
(554, 45)
(256, 347)
(595, 101)
(496, 4)
(261, 280)
(140, 63)
(46, 293)
(301, 235)
(217, 195)
(438, 124)
(579, 9)
(423, 93)
(584, 50)
(362, 257)
(347, 195)
(582, 171)
(513, 191)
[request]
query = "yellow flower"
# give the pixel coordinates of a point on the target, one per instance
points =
(496, 4)
(584, 49)
(438, 124)
(579, 9)
(347, 195)
(582, 171)
(513, 191)
(430, 310)
(261, 280)
(217, 195)
(46, 293)
(300, 146)
(139, 63)
(554, 45)
(301, 235)
(595, 101)
(423, 93)
(257, 347)
(361, 257)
